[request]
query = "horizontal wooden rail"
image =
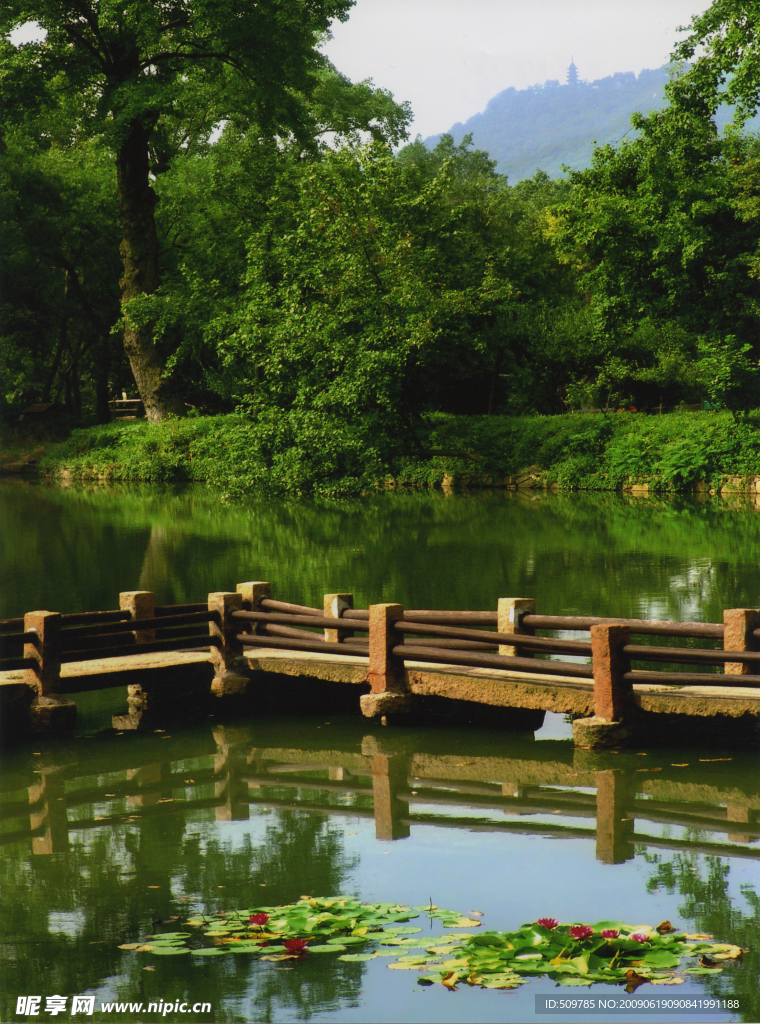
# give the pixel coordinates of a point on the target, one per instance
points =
(285, 620)
(293, 609)
(16, 664)
(180, 609)
(536, 643)
(413, 652)
(307, 646)
(130, 625)
(692, 678)
(642, 627)
(689, 654)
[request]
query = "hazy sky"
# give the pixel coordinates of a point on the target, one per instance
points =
(449, 57)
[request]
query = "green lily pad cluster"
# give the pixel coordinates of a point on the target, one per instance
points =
(575, 955)
(568, 954)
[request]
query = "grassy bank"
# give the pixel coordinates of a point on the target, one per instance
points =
(672, 452)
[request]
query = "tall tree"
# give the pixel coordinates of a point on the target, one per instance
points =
(131, 73)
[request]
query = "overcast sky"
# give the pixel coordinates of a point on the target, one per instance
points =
(449, 57)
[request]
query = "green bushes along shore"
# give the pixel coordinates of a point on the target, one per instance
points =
(317, 455)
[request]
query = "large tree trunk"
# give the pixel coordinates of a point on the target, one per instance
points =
(139, 254)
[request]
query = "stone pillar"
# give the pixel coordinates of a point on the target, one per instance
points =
(45, 677)
(612, 694)
(48, 810)
(614, 831)
(227, 655)
(334, 605)
(510, 613)
(739, 624)
(389, 777)
(253, 593)
(141, 605)
(385, 673)
(610, 663)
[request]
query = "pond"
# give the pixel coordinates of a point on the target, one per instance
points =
(108, 834)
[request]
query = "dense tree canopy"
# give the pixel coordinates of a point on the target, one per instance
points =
(283, 257)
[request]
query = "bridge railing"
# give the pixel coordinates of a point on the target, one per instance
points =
(389, 637)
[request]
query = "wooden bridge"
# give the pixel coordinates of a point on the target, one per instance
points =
(395, 660)
(400, 780)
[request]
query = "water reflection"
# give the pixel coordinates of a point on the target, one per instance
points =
(597, 554)
(125, 829)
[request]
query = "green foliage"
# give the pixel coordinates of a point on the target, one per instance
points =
(303, 452)
(728, 374)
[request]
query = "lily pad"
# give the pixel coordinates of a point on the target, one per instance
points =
(357, 957)
(210, 951)
(348, 940)
(169, 950)
(332, 948)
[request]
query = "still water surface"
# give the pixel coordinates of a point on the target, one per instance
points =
(133, 828)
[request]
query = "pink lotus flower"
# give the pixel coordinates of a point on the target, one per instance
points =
(295, 945)
(610, 933)
(548, 922)
(639, 937)
(581, 931)
(259, 919)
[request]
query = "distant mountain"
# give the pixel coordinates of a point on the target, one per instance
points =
(549, 125)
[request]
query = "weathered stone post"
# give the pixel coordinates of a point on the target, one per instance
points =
(228, 653)
(739, 624)
(334, 605)
(44, 651)
(385, 673)
(614, 831)
(48, 712)
(510, 613)
(141, 605)
(253, 593)
(612, 694)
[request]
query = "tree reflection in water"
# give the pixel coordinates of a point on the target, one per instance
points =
(100, 891)
(704, 884)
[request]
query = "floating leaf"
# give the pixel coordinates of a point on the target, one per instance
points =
(210, 951)
(464, 922)
(169, 950)
(349, 940)
(357, 957)
(401, 967)
(129, 945)
(332, 948)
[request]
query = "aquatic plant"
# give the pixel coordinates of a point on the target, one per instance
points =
(568, 954)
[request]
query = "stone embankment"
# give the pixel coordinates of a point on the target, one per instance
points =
(534, 478)
(15, 463)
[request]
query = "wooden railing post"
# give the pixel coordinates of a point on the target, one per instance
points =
(45, 677)
(334, 605)
(141, 605)
(510, 613)
(610, 663)
(253, 593)
(739, 624)
(227, 653)
(385, 673)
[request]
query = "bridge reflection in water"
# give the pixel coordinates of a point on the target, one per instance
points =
(402, 780)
